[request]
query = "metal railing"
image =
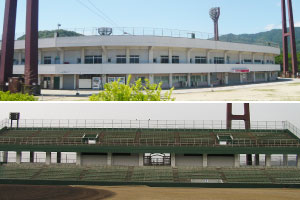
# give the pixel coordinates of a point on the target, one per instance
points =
(32, 124)
(150, 31)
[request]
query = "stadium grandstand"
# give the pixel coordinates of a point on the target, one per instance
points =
(154, 153)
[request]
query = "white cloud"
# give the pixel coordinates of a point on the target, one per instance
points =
(297, 24)
(272, 26)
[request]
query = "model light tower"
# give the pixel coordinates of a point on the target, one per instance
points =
(215, 15)
(285, 35)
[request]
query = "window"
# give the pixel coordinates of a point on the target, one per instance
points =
(85, 76)
(175, 59)
(16, 62)
(93, 60)
(247, 61)
(134, 59)
(177, 79)
(78, 60)
(200, 60)
(57, 60)
(154, 60)
(47, 60)
(161, 79)
(164, 59)
(219, 60)
(121, 59)
(257, 61)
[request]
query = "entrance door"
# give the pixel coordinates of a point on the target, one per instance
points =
(56, 83)
(69, 82)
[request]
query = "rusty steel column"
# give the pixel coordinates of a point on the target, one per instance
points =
(8, 43)
(285, 35)
(245, 117)
(31, 48)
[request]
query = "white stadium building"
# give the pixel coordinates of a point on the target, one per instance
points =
(176, 60)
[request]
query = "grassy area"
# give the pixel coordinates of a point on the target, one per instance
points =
(264, 90)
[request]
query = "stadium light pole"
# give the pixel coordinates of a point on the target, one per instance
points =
(215, 15)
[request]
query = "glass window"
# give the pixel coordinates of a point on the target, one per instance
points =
(161, 79)
(247, 61)
(134, 59)
(200, 60)
(219, 60)
(164, 59)
(97, 59)
(257, 61)
(175, 59)
(47, 60)
(121, 59)
(89, 60)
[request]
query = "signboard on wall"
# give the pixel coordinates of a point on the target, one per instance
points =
(241, 70)
(96, 83)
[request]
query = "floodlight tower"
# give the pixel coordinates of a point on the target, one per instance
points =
(215, 15)
(285, 35)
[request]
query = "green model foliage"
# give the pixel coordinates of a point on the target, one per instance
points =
(7, 96)
(50, 34)
(116, 91)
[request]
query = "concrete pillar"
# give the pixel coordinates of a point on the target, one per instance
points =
(82, 55)
(240, 57)
(204, 160)
(18, 157)
(225, 57)
(285, 160)
(254, 77)
(62, 56)
(189, 81)
(5, 156)
(265, 59)
(109, 159)
(151, 55)
(256, 159)
(208, 56)
(188, 56)
(103, 79)
(151, 78)
(58, 157)
(40, 57)
(78, 159)
(237, 160)
(127, 55)
(48, 158)
(226, 79)
(141, 160)
(249, 161)
(208, 79)
(298, 161)
(266, 76)
(170, 80)
(20, 58)
(241, 78)
(268, 160)
(104, 55)
(61, 82)
(253, 58)
(31, 158)
(170, 55)
(173, 160)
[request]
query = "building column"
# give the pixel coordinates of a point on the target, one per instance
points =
(254, 77)
(265, 59)
(241, 78)
(256, 159)
(31, 158)
(253, 58)
(109, 159)
(205, 160)
(226, 79)
(249, 161)
(58, 157)
(82, 55)
(170, 80)
(208, 56)
(240, 57)
(20, 58)
(40, 57)
(298, 161)
(150, 55)
(188, 56)
(170, 55)
(268, 160)
(62, 56)
(104, 55)
(266, 76)
(151, 78)
(225, 57)
(173, 160)
(285, 160)
(127, 55)
(78, 159)
(76, 80)
(48, 158)
(189, 81)
(141, 159)
(103, 80)
(5, 156)
(18, 157)
(61, 82)
(237, 160)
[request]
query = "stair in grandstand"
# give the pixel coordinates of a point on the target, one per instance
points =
(175, 175)
(129, 174)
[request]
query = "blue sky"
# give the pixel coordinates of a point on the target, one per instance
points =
(237, 16)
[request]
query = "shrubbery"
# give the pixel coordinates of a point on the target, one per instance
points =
(7, 96)
(116, 91)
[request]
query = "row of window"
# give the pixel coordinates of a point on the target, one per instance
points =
(135, 59)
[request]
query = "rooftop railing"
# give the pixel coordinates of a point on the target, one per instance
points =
(149, 31)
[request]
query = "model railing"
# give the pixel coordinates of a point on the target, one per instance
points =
(31, 124)
(148, 31)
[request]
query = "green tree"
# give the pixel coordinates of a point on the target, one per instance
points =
(7, 96)
(116, 91)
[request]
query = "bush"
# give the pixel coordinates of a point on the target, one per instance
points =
(116, 91)
(7, 96)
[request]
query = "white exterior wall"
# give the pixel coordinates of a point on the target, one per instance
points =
(93, 160)
(113, 53)
(72, 56)
(189, 161)
(132, 160)
(53, 54)
(181, 53)
(142, 52)
(221, 161)
(158, 52)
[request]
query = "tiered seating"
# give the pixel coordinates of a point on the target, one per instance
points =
(152, 174)
(157, 137)
(14, 171)
(17, 133)
(59, 172)
(246, 176)
(106, 174)
(119, 137)
(285, 176)
(187, 174)
(196, 138)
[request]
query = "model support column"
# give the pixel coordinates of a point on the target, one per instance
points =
(237, 160)
(298, 161)
(189, 80)
(127, 55)
(257, 159)
(173, 160)
(170, 80)
(78, 159)
(109, 159)
(48, 158)
(285, 160)
(141, 160)
(268, 160)
(8, 43)
(31, 158)
(31, 48)
(18, 157)
(58, 158)
(205, 160)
